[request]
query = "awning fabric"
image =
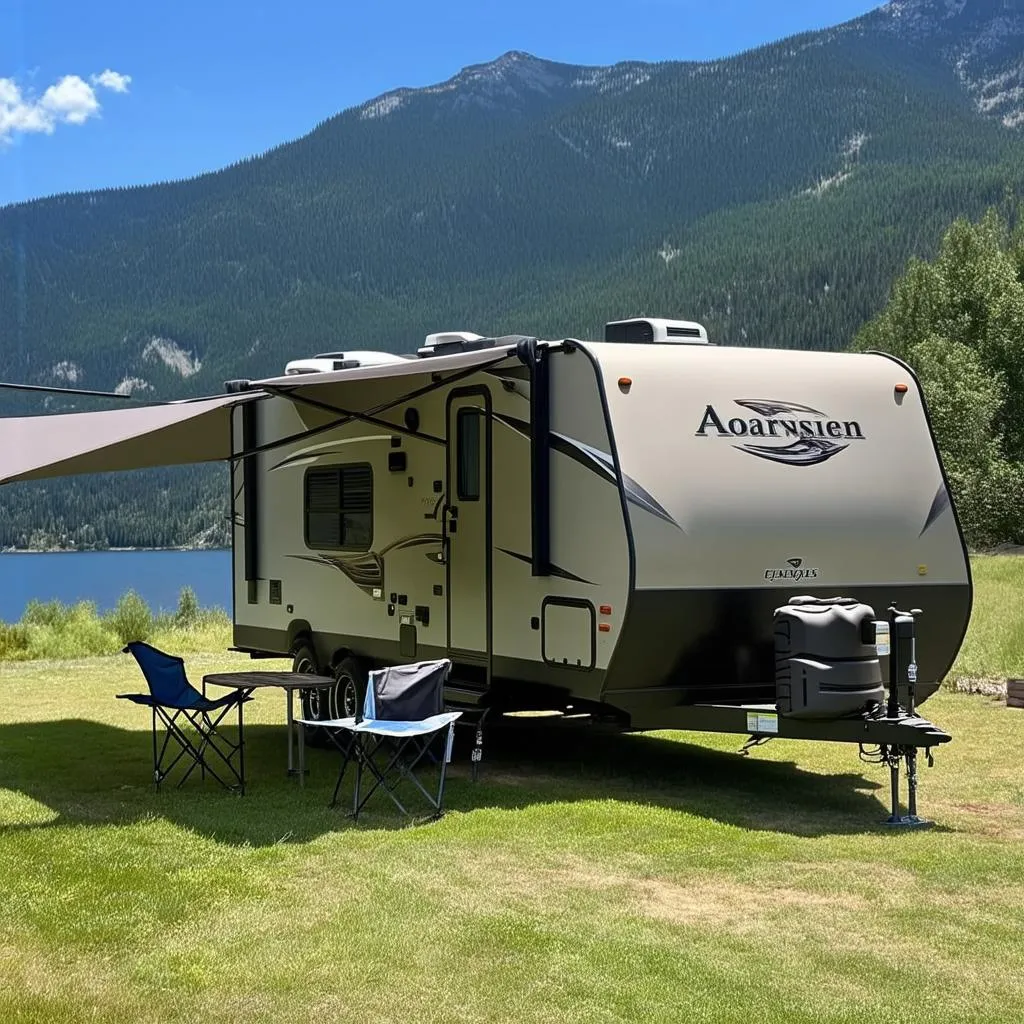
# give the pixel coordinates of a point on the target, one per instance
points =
(37, 447)
(176, 433)
(322, 385)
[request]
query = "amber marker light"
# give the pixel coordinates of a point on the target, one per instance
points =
(625, 383)
(606, 609)
(901, 389)
(604, 627)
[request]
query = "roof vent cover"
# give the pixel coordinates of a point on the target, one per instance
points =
(447, 342)
(326, 362)
(650, 331)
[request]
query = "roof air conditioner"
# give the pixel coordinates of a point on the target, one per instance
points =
(649, 331)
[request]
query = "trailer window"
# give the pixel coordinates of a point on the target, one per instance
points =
(339, 507)
(468, 439)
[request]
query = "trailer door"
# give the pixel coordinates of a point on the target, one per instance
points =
(468, 523)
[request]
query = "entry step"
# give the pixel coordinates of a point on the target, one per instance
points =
(456, 692)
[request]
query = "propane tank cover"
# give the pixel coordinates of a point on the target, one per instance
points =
(826, 658)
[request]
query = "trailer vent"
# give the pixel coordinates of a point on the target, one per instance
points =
(328, 362)
(647, 331)
(446, 342)
(465, 341)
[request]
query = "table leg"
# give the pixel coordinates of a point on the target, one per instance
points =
(291, 728)
(302, 755)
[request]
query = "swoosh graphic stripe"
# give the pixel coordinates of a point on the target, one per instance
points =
(939, 505)
(555, 570)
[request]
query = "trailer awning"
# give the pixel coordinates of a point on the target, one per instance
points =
(37, 447)
(314, 384)
(178, 433)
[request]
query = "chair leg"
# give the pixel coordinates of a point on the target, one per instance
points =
(202, 767)
(405, 770)
(346, 760)
(156, 762)
(172, 731)
(356, 805)
(444, 768)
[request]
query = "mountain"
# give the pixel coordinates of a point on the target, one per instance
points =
(773, 195)
(980, 41)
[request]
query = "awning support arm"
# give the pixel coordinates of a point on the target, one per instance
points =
(384, 407)
(65, 391)
(350, 415)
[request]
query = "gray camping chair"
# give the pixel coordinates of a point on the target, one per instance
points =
(402, 730)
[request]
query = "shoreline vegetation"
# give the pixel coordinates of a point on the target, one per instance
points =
(52, 630)
(992, 652)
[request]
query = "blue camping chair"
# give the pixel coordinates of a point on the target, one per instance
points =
(402, 718)
(177, 703)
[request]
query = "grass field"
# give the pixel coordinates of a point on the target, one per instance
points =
(587, 877)
(994, 648)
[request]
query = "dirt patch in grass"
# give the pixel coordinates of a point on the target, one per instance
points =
(725, 904)
(994, 821)
(708, 902)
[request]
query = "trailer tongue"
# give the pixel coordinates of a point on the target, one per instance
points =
(817, 640)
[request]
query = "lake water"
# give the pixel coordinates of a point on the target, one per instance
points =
(103, 576)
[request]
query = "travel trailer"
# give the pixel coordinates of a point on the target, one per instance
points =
(395, 510)
(608, 526)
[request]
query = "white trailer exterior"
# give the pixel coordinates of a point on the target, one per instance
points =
(602, 525)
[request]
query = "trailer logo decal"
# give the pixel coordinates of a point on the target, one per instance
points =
(816, 438)
(793, 574)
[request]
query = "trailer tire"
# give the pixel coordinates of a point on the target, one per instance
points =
(315, 704)
(346, 699)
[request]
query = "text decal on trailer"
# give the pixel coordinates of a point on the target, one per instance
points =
(808, 435)
(794, 572)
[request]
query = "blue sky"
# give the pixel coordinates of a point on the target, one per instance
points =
(192, 85)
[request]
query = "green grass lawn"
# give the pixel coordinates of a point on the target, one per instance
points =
(994, 647)
(587, 877)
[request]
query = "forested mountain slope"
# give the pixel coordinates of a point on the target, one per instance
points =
(774, 196)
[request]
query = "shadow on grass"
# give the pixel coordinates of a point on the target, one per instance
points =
(88, 773)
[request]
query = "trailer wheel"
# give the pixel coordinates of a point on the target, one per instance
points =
(347, 696)
(315, 703)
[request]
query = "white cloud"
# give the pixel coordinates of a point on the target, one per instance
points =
(112, 80)
(71, 100)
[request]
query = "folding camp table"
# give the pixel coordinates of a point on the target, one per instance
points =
(287, 681)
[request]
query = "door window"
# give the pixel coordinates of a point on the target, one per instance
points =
(467, 433)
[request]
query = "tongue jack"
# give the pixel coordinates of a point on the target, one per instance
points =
(903, 668)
